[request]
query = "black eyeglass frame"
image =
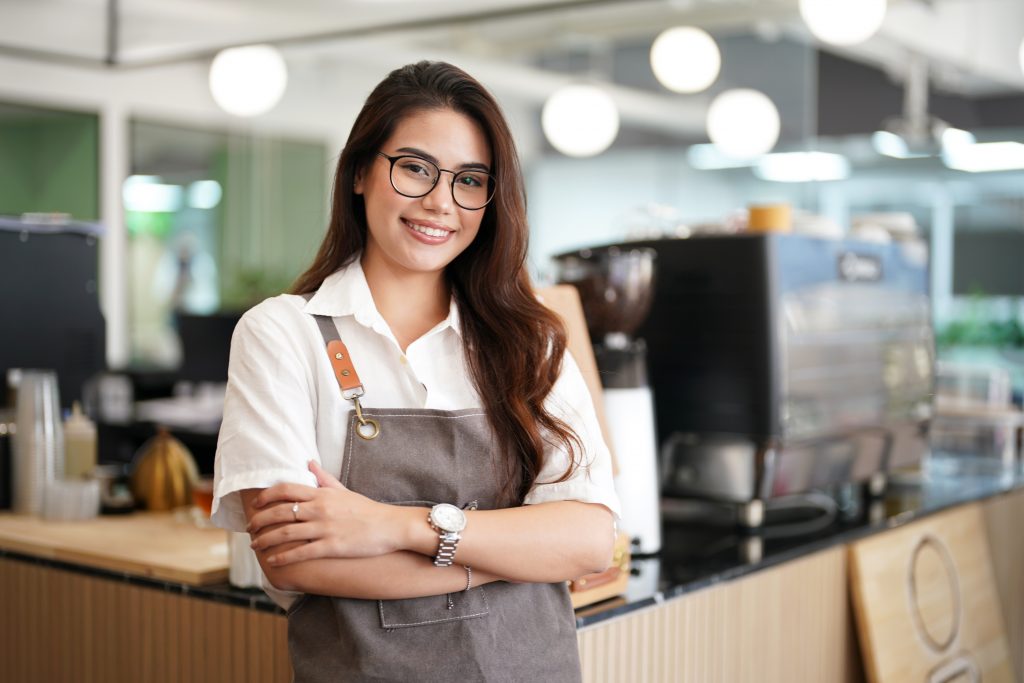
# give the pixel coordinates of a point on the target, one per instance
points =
(492, 181)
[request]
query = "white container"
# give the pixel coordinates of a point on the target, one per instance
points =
(79, 444)
(631, 423)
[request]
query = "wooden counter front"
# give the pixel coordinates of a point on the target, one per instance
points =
(152, 545)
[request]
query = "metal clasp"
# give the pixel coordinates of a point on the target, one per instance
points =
(365, 422)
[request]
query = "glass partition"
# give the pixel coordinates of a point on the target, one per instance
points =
(217, 221)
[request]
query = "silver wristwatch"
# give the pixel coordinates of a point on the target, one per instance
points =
(448, 521)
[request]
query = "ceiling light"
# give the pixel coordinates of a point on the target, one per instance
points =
(580, 120)
(802, 167)
(147, 194)
(892, 145)
(985, 156)
(955, 138)
(1021, 54)
(710, 158)
(685, 59)
(743, 123)
(843, 22)
(248, 81)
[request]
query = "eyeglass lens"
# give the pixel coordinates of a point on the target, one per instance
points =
(415, 177)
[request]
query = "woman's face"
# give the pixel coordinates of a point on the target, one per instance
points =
(422, 234)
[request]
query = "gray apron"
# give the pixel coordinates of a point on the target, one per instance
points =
(497, 632)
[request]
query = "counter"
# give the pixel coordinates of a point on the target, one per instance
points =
(715, 605)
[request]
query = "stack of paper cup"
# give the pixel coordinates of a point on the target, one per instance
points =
(39, 440)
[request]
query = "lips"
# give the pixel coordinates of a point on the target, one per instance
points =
(428, 232)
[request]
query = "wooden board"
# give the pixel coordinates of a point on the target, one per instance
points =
(153, 545)
(565, 301)
(924, 597)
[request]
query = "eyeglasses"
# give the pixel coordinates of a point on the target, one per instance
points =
(413, 177)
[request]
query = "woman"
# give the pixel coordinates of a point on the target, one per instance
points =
(405, 438)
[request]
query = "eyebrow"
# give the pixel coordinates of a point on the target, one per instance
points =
(472, 166)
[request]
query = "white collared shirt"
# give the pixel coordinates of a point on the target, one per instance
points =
(280, 382)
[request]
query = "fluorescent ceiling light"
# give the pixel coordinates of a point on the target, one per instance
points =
(985, 156)
(892, 145)
(711, 158)
(147, 194)
(802, 167)
(954, 138)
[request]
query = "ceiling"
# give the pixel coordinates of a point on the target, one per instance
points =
(528, 48)
(972, 43)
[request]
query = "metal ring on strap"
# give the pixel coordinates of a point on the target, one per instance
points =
(365, 422)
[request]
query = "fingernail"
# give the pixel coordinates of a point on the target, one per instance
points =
(272, 560)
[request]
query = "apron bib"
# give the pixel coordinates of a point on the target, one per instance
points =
(497, 632)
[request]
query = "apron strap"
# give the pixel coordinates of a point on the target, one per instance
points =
(344, 370)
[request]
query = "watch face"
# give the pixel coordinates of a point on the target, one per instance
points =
(448, 517)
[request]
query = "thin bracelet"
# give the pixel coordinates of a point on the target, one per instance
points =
(469, 578)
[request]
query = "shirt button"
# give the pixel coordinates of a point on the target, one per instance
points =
(405, 361)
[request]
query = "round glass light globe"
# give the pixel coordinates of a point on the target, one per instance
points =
(580, 120)
(248, 81)
(685, 59)
(843, 22)
(743, 123)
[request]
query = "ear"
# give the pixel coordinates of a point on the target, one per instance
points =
(357, 186)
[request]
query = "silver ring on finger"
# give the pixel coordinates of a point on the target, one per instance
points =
(295, 511)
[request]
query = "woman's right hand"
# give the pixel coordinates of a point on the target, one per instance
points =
(334, 522)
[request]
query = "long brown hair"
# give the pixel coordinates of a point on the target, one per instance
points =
(514, 346)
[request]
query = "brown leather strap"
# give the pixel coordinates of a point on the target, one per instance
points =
(344, 370)
(341, 360)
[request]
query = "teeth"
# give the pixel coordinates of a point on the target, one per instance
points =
(430, 232)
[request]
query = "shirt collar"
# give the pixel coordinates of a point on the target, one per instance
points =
(346, 292)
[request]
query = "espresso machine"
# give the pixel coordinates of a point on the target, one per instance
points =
(616, 288)
(787, 364)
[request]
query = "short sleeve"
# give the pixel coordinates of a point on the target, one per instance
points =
(591, 482)
(268, 433)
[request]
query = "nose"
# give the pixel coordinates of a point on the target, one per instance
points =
(441, 198)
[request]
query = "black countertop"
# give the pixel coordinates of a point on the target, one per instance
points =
(701, 548)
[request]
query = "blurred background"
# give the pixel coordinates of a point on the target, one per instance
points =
(108, 114)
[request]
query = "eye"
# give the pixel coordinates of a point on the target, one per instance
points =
(416, 167)
(472, 180)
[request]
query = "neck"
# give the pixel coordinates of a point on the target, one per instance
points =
(410, 302)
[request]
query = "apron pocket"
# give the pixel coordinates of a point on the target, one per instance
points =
(433, 609)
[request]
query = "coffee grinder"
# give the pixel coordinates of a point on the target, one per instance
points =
(616, 288)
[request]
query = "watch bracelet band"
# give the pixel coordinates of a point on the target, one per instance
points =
(446, 549)
(469, 578)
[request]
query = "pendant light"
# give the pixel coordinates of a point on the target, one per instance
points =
(843, 22)
(248, 81)
(685, 59)
(580, 120)
(743, 123)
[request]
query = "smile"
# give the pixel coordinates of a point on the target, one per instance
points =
(427, 231)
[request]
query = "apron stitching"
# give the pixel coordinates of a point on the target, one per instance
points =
(351, 434)
(436, 621)
(440, 417)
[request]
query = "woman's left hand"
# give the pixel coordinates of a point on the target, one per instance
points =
(332, 520)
